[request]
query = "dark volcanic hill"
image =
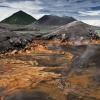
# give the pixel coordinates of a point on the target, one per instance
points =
(54, 20)
(20, 18)
(51, 21)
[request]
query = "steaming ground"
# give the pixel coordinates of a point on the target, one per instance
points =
(48, 70)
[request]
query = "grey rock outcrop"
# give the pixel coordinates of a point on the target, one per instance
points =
(76, 30)
(10, 40)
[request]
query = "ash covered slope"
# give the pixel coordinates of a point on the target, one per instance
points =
(11, 27)
(14, 27)
(52, 20)
(20, 18)
(72, 31)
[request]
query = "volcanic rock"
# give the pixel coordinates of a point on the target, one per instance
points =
(10, 40)
(76, 30)
(6, 34)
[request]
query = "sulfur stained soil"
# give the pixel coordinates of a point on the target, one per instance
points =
(48, 70)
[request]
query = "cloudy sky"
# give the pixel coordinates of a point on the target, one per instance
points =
(85, 10)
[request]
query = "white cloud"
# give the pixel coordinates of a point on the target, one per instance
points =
(5, 12)
(38, 8)
(92, 22)
(91, 13)
(29, 7)
(23, 5)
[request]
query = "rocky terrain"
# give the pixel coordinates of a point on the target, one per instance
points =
(76, 31)
(61, 65)
(9, 40)
(47, 70)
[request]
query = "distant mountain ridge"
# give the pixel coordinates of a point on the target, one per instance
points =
(54, 20)
(51, 22)
(20, 18)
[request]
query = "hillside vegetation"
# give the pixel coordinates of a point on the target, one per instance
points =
(20, 18)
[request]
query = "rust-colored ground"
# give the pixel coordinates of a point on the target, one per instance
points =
(43, 67)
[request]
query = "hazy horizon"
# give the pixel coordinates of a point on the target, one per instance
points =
(87, 11)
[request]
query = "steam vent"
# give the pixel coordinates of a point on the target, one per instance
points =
(61, 63)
